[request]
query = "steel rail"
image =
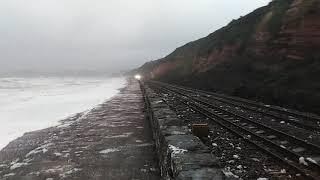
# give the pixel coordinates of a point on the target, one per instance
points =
(258, 110)
(309, 145)
(192, 104)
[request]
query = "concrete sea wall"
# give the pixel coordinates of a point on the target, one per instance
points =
(181, 154)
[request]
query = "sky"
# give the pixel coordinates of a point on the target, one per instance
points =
(105, 35)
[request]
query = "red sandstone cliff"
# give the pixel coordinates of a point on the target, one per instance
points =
(271, 54)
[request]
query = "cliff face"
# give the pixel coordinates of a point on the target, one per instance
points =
(300, 30)
(271, 54)
(299, 33)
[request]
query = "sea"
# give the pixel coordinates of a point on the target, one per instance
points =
(34, 103)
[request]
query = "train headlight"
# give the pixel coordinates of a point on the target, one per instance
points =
(137, 76)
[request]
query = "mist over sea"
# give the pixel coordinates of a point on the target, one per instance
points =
(28, 104)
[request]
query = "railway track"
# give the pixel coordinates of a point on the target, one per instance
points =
(300, 120)
(298, 154)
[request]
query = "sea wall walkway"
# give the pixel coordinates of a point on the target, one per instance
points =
(111, 141)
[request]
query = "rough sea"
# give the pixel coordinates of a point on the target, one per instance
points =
(28, 104)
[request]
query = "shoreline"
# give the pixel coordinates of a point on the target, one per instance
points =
(56, 122)
(89, 145)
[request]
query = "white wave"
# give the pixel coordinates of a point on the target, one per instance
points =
(28, 104)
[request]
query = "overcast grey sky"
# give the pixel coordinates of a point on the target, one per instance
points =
(105, 34)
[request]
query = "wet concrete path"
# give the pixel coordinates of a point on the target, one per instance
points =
(111, 141)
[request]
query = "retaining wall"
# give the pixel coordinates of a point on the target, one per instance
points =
(181, 154)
